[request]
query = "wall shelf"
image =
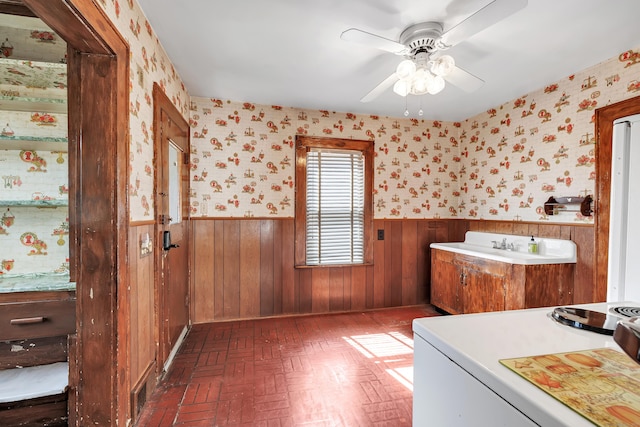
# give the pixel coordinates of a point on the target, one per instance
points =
(33, 143)
(555, 205)
(35, 282)
(28, 104)
(48, 203)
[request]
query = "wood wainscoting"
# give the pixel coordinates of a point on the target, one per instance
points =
(243, 268)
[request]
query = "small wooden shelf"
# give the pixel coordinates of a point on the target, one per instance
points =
(35, 282)
(49, 203)
(27, 104)
(33, 143)
(569, 204)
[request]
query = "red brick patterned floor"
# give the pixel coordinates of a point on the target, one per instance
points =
(350, 369)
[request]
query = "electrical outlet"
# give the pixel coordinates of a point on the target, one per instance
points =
(380, 234)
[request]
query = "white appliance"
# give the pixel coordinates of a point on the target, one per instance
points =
(624, 230)
(458, 379)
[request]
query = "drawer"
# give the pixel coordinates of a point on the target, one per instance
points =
(37, 319)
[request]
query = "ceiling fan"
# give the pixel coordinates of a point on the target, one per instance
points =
(424, 69)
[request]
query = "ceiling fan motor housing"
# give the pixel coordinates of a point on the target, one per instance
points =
(423, 37)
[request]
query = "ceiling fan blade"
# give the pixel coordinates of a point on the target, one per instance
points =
(464, 80)
(491, 14)
(377, 91)
(372, 40)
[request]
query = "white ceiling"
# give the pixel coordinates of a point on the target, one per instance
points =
(289, 52)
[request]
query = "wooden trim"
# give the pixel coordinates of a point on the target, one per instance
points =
(57, 14)
(302, 144)
(604, 118)
(168, 124)
(98, 114)
(141, 223)
(15, 7)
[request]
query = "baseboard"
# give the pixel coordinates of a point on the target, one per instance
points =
(174, 350)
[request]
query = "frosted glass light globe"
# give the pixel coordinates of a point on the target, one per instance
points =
(406, 69)
(443, 65)
(436, 85)
(402, 87)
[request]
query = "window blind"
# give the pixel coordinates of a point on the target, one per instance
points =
(335, 207)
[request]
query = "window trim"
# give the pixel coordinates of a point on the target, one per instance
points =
(303, 143)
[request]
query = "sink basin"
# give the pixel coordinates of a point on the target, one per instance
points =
(478, 244)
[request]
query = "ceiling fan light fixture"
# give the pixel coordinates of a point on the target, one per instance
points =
(443, 65)
(420, 82)
(435, 85)
(402, 87)
(406, 69)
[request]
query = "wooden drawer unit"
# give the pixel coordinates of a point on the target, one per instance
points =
(37, 319)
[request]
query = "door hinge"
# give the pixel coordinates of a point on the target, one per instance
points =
(185, 158)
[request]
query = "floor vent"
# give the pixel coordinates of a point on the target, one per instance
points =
(141, 391)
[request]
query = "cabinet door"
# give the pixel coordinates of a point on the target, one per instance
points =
(483, 287)
(445, 282)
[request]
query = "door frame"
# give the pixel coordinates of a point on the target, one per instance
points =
(98, 82)
(162, 104)
(604, 118)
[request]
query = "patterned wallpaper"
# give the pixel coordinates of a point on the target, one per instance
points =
(149, 64)
(33, 239)
(541, 144)
(502, 164)
(243, 159)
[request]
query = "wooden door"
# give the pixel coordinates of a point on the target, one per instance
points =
(445, 282)
(171, 139)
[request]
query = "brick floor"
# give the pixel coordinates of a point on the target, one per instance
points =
(352, 369)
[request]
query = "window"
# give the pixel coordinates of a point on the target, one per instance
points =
(334, 180)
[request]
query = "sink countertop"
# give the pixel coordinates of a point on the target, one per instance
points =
(551, 251)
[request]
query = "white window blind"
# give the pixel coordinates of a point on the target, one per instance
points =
(335, 207)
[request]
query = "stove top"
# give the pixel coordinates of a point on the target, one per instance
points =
(594, 321)
(588, 320)
(626, 311)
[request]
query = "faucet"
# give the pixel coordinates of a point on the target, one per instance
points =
(503, 244)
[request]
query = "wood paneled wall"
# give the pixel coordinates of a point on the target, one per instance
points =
(243, 268)
(143, 320)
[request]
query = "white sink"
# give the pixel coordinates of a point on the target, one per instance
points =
(550, 251)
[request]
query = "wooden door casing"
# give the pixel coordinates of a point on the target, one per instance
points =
(172, 264)
(98, 82)
(604, 118)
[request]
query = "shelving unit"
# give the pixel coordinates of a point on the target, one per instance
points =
(34, 98)
(569, 204)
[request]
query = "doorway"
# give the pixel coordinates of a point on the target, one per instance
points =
(171, 152)
(98, 81)
(604, 131)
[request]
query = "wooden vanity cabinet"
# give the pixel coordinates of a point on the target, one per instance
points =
(466, 284)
